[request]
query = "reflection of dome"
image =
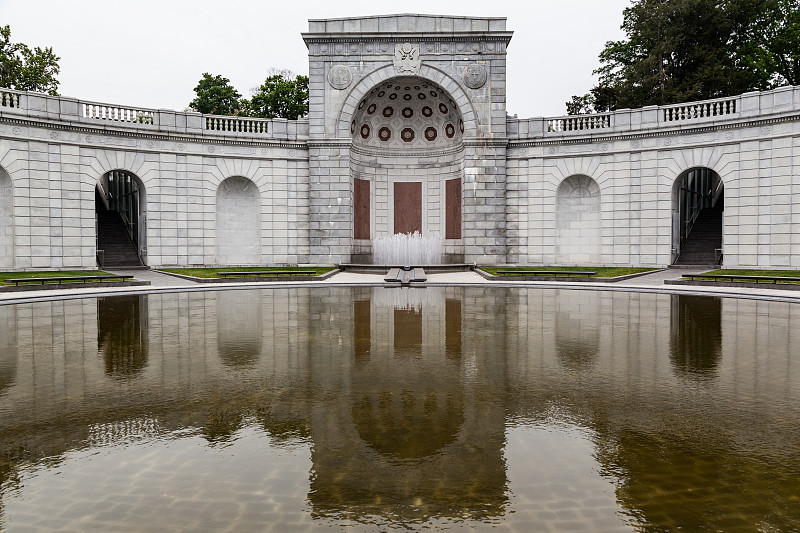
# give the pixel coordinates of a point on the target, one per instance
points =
(408, 424)
(407, 112)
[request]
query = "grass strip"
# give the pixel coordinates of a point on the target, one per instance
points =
(755, 272)
(50, 274)
(212, 272)
(602, 272)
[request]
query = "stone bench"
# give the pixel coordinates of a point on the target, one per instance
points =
(751, 279)
(268, 273)
(546, 273)
(66, 279)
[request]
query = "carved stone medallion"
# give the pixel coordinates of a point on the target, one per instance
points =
(340, 77)
(406, 58)
(474, 76)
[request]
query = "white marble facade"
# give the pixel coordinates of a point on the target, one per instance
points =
(590, 190)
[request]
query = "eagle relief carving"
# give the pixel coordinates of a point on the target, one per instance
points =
(406, 58)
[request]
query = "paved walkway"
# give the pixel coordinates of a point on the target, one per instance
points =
(160, 282)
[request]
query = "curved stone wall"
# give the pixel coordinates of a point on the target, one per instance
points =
(55, 149)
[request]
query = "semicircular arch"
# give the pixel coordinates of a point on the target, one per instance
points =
(462, 101)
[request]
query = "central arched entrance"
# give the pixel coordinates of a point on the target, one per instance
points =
(698, 202)
(407, 164)
(120, 215)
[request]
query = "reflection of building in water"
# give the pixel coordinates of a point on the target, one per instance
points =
(696, 335)
(122, 335)
(577, 334)
(409, 440)
(239, 319)
(404, 413)
(8, 347)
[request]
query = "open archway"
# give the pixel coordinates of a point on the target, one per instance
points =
(6, 220)
(120, 208)
(698, 202)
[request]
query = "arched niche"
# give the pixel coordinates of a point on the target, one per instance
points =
(6, 220)
(578, 221)
(407, 161)
(238, 224)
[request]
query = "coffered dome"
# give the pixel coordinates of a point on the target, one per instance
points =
(407, 113)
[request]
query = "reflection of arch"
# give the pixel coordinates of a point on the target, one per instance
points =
(6, 220)
(239, 316)
(698, 202)
(121, 209)
(695, 335)
(238, 228)
(8, 346)
(577, 331)
(122, 334)
(578, 221)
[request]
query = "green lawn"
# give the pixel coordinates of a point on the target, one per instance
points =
(752, 272)
(50, 274)
(212, 272)
(602, 272)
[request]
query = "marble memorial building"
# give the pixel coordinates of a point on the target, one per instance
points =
(408, 130)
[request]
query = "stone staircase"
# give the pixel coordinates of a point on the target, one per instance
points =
(118, 249)
(706, 236)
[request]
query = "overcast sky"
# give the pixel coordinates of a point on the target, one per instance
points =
(151, 53)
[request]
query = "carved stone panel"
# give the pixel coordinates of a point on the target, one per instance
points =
(340, 77)
(406, 59)
(474, 76)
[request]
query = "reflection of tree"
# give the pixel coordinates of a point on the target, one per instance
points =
(122, 334)
(696, 335)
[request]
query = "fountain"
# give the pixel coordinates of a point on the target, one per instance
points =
(408, 249)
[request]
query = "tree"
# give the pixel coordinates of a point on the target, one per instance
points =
(770, 44)
(282, 95)
(216, 96)
(26, 69)
(684, 50)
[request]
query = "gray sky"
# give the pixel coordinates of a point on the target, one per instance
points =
(151, 53)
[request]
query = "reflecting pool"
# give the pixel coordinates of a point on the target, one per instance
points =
(402, 408)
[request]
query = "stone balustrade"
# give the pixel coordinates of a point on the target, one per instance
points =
(60, 109)
(748, 106)
(99, 111)
(579, 122)
(244, 125)
(9, 98)
(57, 108)
(701, 110)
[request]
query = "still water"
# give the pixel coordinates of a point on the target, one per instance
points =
(377, 409)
